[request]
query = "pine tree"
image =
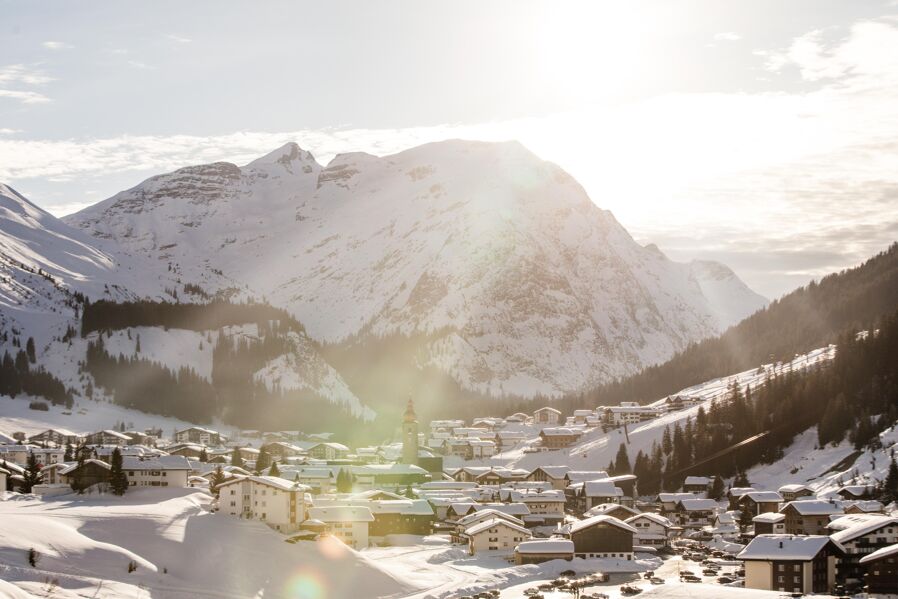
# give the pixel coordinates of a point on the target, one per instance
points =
(32, 473)
(716, 491)
(344, 482)
(890, 484)
(745, 520)
(263, 461)
(217, 478)
(741, 479)
(236, 458)
(118, 480)
(29, 349)
(204, 457)
(274, 470)
(622, 461)
(409, 493)
(69, 453)
(666, 441)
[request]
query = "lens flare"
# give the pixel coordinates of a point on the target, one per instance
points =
(305, 584)
(331, 547)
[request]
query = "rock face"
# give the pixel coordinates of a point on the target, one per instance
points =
(519, 283)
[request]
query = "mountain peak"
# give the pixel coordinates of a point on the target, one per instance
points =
(286, 154)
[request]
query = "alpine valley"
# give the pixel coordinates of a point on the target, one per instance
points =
(454, 271)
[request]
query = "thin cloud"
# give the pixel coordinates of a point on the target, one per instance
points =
(25, 97)
(55, 45)
(178, 38)
(18, 73)
(727, 36)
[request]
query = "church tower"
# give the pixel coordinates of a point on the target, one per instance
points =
(410, 435)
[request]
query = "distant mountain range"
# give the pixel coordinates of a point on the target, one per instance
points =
(482, 262)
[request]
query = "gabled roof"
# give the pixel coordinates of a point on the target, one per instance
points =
(553, 471)
(656, 518)
(165, 462)
(763, 496)
(547, 409)
(561, 546)
(697, 480)
(880, 553)
(74, 466)
(341, 513)
(793, 488)
(740, 491)
(487, 514)
(864, 528)
(579, 476)
(113, 433)
(786, 547)
(692, 505)
(607, 508)
(813, 507)
(595, 520)
(769, 517)
(493, 522)
(669, 497)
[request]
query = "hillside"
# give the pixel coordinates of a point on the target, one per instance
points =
(812, 316)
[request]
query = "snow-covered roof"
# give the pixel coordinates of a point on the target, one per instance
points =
(697, 480)
(493, 522)
(341, 513)
(863, 528)
(739, 491)
(813, 507)
(559, 431)
(855, 490)
(769, 517)
(606, 508)
(694, 505)
(113, 433)
(793, 488)
(886, 551)
(553, 471)
(589, 522)
(376, 469)
(579, 476)
(74, 465)
(656, 518)
(865, 505)
(487, 514)
(547, 409)
(764, 496)
(164, 462)
(785, 547)
(674, 497)
(601, 488)
(561, 546)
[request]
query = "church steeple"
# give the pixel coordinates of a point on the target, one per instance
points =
(410, 434)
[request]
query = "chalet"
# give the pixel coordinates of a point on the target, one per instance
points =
(694, 513)
(628, 412)
(809, 516)
(281, 450)
(652, 530)
(203, 436)
(247, 454)
(476, 517)
(88, 473)
(543, 550)
(794, 492)
(580, 416)
(579, 476)
(107, 437)
(558, 437)
(495, 535)
(881, 570)
(860, 492)
(508, 439)
(482, 448)
(47, 455)
(277, 502)
(189, 450)
(460, 448)
(546, 507)
(388, 476)
(161, 471)
(56, 436)
(735, 494)
(350, 524)
(697, 484)
(791, 564)
(868, 506)
(724, 524)
(668, 501)
(769, 523)
(328, 451)
(583, 496)
(398, 516)
(517, 417)
(758, 502)
(602, 536)
(553, 475)
(546, 416)
(860, 536)
(318, 479)
(141, 438)
(627, 484)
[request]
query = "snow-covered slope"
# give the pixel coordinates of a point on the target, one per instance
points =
(520, 283)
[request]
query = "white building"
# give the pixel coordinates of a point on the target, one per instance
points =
(161, 471)
(279, 503)
(546, 416)
(652, 530)
(496, 535)
(348, 523)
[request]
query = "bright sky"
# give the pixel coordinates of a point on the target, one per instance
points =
(760, 133)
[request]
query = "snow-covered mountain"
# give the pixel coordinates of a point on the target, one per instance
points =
(514, 279)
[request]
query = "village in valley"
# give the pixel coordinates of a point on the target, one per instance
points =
(462, 505)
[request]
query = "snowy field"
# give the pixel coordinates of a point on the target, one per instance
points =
(179, 548)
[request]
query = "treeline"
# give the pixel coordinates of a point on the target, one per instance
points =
(232, 394)
(810, 317)
(855, 397)
(105, 315)
(17, 376)
(138, 383)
